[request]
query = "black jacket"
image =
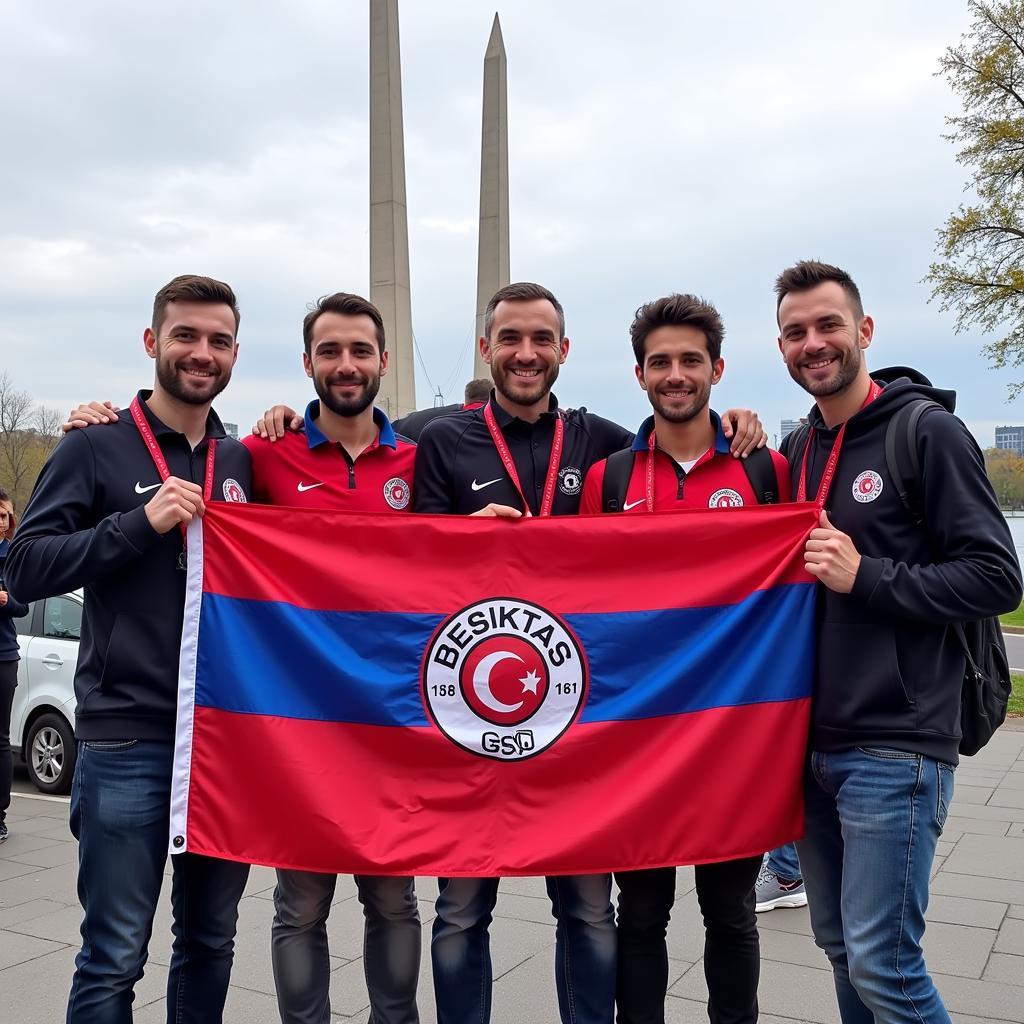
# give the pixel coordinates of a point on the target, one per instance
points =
(458, 469)
(8, 612)
(889, 670)
(85, 526)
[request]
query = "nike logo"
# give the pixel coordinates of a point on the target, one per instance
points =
(480, 487)
(633, 504)
(139, 489)
(308, 487)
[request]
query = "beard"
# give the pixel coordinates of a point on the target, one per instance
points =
(522, 391)
(844, 375)
(684, 413)
(188, 389)
(348, 406)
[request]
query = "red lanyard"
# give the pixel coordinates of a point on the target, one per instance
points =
(833, 459)
(651, 447)
(505, 455)
(160, 462)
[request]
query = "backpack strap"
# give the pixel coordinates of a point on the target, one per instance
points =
(617, 470)
(902, 458)
(760, 469)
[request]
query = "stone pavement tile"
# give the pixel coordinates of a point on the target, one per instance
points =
(36, 992)
(34, 825)
(1011, 937)
(243, 1007)
(944, 847)
(684, 881)
(970, 794)
(261, 880)
(957, 949)
(984, 812)
(1005, 968)
(33, 806)
(955, 827)
(1004, 797)
(957, 910)
(50, 856)
(786, 919)
(19, 843)
(16, 949)
(251, 968)
(24, 911)
(527, 993)
(691, 1011)
(1016, 912)
(55, 830)
(12, 869)
(937, 863)
(791, 948)
(785, 990)
(989, 999)
(950, 883)
(1016, 830)
(63, 925)
(523, 887)
(525, 908)
(988, 856)
(686, 929)
(1012, 780)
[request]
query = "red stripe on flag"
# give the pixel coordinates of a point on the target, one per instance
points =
(357, 799)
(323, 559)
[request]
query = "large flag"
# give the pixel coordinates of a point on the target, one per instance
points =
(438, 695)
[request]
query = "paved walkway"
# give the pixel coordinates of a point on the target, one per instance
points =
(974, 943)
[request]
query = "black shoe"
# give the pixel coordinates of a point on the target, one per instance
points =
(3, 832)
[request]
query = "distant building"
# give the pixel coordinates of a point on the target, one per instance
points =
(788, 426)
(1011, 439)
(232, 430)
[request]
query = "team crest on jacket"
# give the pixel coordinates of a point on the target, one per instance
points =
(233, 490)
(570, 480)
(725, 497)
(867, 486)
(396, 493)
(504, 679)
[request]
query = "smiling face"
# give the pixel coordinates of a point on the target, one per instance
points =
(678, 372)
(525, 350)
(821, 338)
(195, 350)
(345, 362)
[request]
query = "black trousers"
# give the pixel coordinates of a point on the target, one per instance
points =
(732, 952)
(8, 681)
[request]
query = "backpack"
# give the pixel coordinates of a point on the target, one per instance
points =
(986, 686)
(618, 468)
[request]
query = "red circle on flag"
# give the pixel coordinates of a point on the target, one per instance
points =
(504, 679)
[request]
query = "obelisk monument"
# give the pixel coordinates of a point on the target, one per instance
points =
(492, 269)
(389, 229)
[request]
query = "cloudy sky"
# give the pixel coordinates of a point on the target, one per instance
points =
(654, 147)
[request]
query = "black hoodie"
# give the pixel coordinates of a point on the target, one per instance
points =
(889, 670)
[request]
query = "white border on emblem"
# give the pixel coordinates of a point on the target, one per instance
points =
(182, 768)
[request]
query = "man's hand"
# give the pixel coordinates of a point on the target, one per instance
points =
(90, 414)
(177, 501)
(499, 511)
(831, 557)
(273, 423)
(3, 598)
(744, 430)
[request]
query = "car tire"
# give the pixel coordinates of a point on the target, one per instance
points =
(50, 753)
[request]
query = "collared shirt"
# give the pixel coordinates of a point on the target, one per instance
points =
(308, 470)
(458, 469)
(716, 480)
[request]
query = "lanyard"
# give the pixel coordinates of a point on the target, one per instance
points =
(651, 447)
(505, 455)
(833, 457)
(157, 455)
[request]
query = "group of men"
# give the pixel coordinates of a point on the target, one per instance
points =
(886, 710)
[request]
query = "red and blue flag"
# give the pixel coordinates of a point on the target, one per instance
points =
(439, 695)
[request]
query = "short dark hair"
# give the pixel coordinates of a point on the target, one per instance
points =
(808, 274)
(345, 304)
(193, 288)
(522, 291)
(478, 390)
(677, 311)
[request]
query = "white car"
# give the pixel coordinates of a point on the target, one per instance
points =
(43, 715)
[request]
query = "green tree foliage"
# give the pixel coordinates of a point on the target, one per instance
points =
(980, 273)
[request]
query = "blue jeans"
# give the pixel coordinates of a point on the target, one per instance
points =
(584, 948)
(785, 862)
(120, 809)
(874, 816)
(301, 958)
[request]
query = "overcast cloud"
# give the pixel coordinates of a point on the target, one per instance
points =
(654, 147)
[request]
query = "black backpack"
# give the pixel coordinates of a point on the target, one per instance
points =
(986, 686)
(758, 466)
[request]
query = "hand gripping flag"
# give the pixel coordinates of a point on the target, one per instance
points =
(439, 695)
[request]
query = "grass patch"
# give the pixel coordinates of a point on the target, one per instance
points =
(1013, 618)
(1016, 704)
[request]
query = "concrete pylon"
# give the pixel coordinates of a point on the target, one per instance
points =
(492, 269)
(389, 228)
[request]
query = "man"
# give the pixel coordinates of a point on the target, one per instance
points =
(680, 459)
(886, 713)
(475, 394)
(108, 514)
(520, 455)
(348, 457)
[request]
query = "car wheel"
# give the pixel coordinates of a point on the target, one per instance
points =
(50, 753)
